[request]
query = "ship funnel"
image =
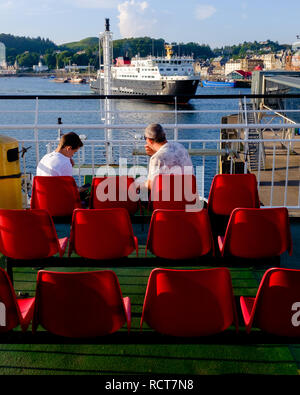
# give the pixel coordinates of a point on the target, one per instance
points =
(107, 24)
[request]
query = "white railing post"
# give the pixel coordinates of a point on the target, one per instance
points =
(176, 121)
(246, 137)
(36, 130)
(273, 173)
(286, 174)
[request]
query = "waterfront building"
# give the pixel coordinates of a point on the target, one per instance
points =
(40, 67)
(249, 64)
(296, 45)
(269, 61)
(232, 65)
(219, 61)
(2, 55)
(74, 68)
(239, 75)
(273, 61)
(292, 61)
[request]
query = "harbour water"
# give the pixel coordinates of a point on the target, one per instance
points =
(87, 112)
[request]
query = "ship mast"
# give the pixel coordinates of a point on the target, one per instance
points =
(106, 41)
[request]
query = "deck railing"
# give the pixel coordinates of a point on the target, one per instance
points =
(276, 181)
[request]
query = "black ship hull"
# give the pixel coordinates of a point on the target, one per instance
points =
(154, 89)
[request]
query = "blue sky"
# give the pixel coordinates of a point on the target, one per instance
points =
(215, 23)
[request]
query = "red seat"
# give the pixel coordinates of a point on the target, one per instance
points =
(29, 234)
(102, 234)
(276, 307)
(257, 233)
(178, 234)
(189, 302)
(227, 192)
(13, 311)
(58, 195)
(83, 304)
(174, 192)
(114, 192)
(230, 191)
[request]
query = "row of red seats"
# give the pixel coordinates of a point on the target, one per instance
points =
(59, 195)
(177, 302)
(173, 234)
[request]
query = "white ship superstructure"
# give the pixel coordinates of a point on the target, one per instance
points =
(151, 76)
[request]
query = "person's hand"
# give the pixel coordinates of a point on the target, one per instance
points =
(82, 189)
(149, 150)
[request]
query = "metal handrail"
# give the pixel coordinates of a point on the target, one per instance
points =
(222, 147)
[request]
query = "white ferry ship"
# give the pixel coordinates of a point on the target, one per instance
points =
(151, 76)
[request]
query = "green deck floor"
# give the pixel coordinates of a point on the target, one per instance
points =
(149, 352)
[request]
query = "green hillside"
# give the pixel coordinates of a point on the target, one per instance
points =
(18, 45)
(89, 42)
(27, 51)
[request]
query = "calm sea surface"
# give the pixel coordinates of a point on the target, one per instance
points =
(23, 112)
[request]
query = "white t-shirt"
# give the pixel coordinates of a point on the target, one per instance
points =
(54, 164)
(171, 158)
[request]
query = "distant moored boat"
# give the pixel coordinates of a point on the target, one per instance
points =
(218, 84)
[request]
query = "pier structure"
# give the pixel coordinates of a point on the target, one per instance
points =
(275, 157)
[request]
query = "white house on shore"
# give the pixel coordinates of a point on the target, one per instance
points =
(40, 67)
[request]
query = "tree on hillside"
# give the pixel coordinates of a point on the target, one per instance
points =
(64, 58)
(80, 59)
(18, 45)
(28, 59)
(50, 60)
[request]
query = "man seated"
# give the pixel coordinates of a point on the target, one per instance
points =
(166, 156)
(60, 162)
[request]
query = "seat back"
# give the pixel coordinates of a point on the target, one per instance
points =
(258, 233)
(27, 234)
(230, 191)
(57, 194)
(114, 192)
(277, 305)
(83, 304)
(178, 234)
(9, 311)
(174, 192)
(189, 302)
(102, 234)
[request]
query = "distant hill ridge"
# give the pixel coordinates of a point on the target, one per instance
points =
(16, 47)
(82, 44)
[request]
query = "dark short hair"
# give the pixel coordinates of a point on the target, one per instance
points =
(70, 140)
(155, 132)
